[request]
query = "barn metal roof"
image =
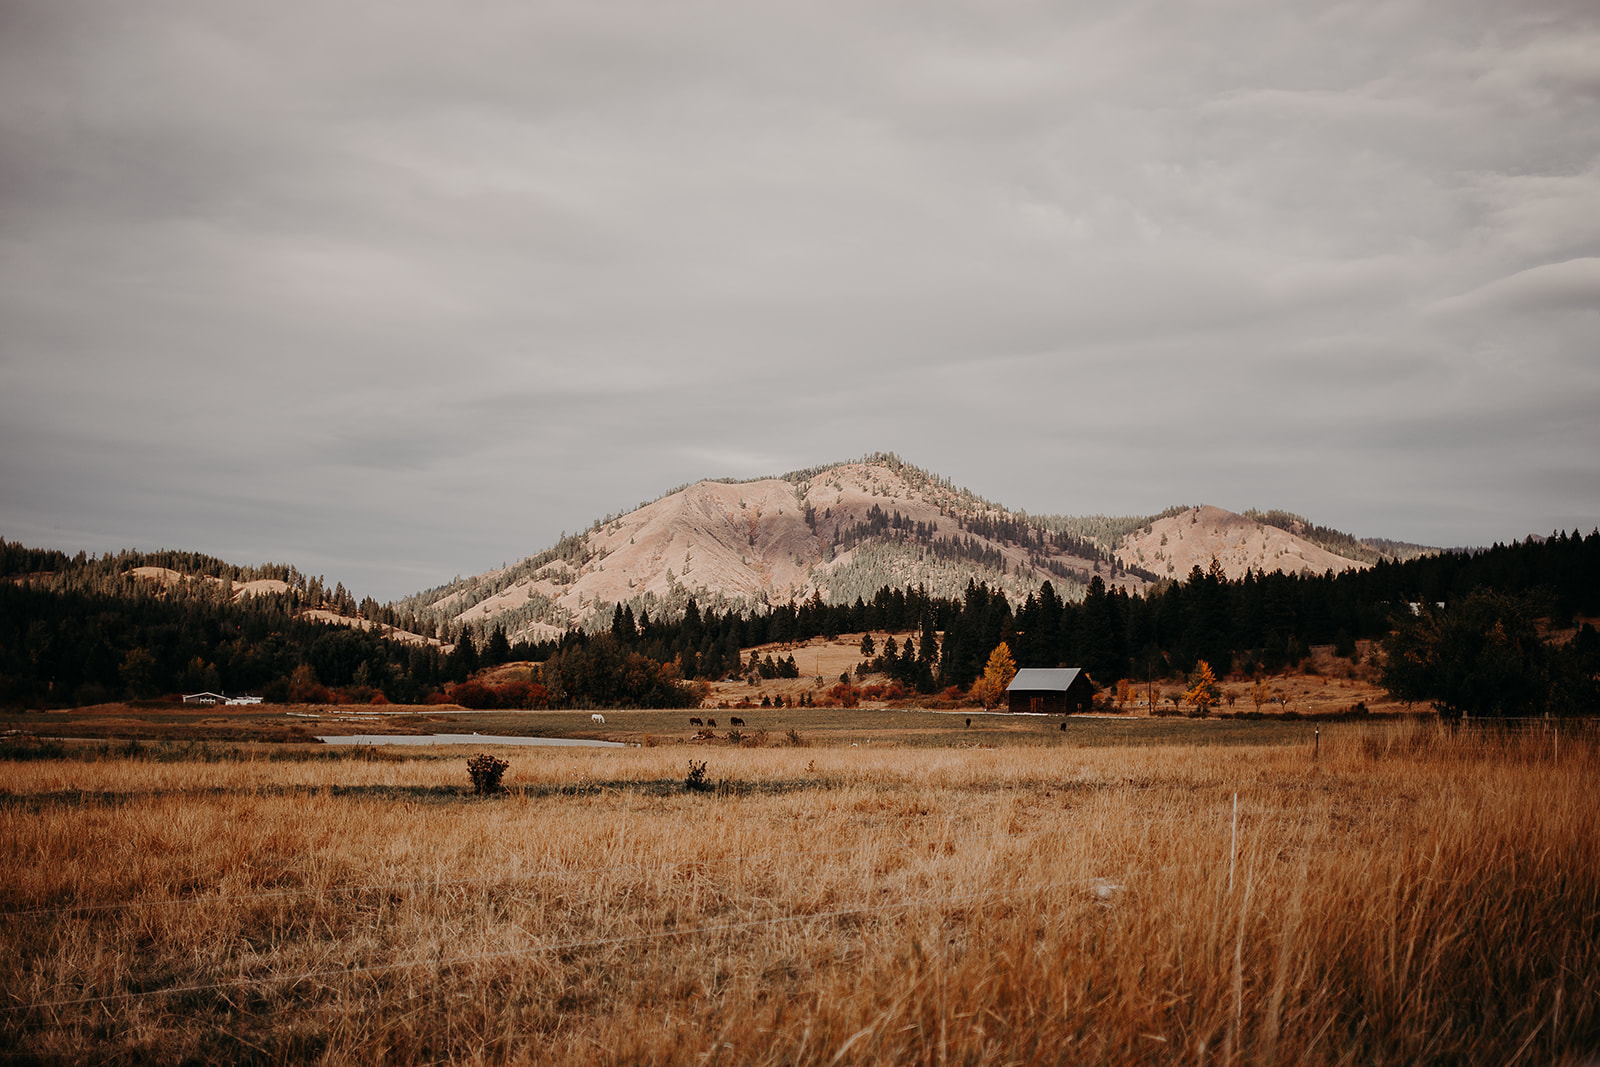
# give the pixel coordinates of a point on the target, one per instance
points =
(1034, 679)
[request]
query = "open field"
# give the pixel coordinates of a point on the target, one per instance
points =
(894, 727)
(1404, 894)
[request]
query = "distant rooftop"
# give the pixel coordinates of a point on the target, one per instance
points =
(1037, 679)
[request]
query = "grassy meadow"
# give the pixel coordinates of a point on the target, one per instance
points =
(1391, 892)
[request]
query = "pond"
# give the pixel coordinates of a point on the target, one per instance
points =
(462, 739)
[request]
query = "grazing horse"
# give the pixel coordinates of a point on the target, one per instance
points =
(736, 721)
(696, 722)
(969, 722)
(711, 722)
(598, 718)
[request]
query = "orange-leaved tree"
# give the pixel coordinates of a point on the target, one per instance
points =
(997, 674)
(1204, 693)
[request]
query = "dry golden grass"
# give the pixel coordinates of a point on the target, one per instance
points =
(1411, 896)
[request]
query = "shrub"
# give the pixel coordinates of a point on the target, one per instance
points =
(844, 694)
(472, 695)
(486, 772)
(696, 780)
(305, 689)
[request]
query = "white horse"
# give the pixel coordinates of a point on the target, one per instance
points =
(598, 718)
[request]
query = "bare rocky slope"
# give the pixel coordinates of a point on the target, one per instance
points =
(842, 532)
(1173, 545)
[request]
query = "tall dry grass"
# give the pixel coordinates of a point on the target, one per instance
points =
(1412, 895)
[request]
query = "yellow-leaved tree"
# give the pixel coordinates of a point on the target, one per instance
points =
(997, 674)
(1204, 693)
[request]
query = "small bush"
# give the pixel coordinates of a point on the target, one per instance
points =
(842, 695)
(696, 780)
(486, 772)
(794, 738)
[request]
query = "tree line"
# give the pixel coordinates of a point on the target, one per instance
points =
(76, 630)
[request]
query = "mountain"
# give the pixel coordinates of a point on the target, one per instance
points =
(1175, 543)
(844, 531)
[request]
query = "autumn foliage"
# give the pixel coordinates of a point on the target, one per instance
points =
(1204, 693)
(990, 689)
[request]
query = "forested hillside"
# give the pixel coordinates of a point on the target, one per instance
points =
(87, 629)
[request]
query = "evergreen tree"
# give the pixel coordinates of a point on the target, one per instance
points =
(463, 661)
(928, 647)
(498, 650)
(1480, 656)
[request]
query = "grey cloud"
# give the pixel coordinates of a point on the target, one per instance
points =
(536, 262)
(1573, 285)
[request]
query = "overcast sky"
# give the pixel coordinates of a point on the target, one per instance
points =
(396, 291)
